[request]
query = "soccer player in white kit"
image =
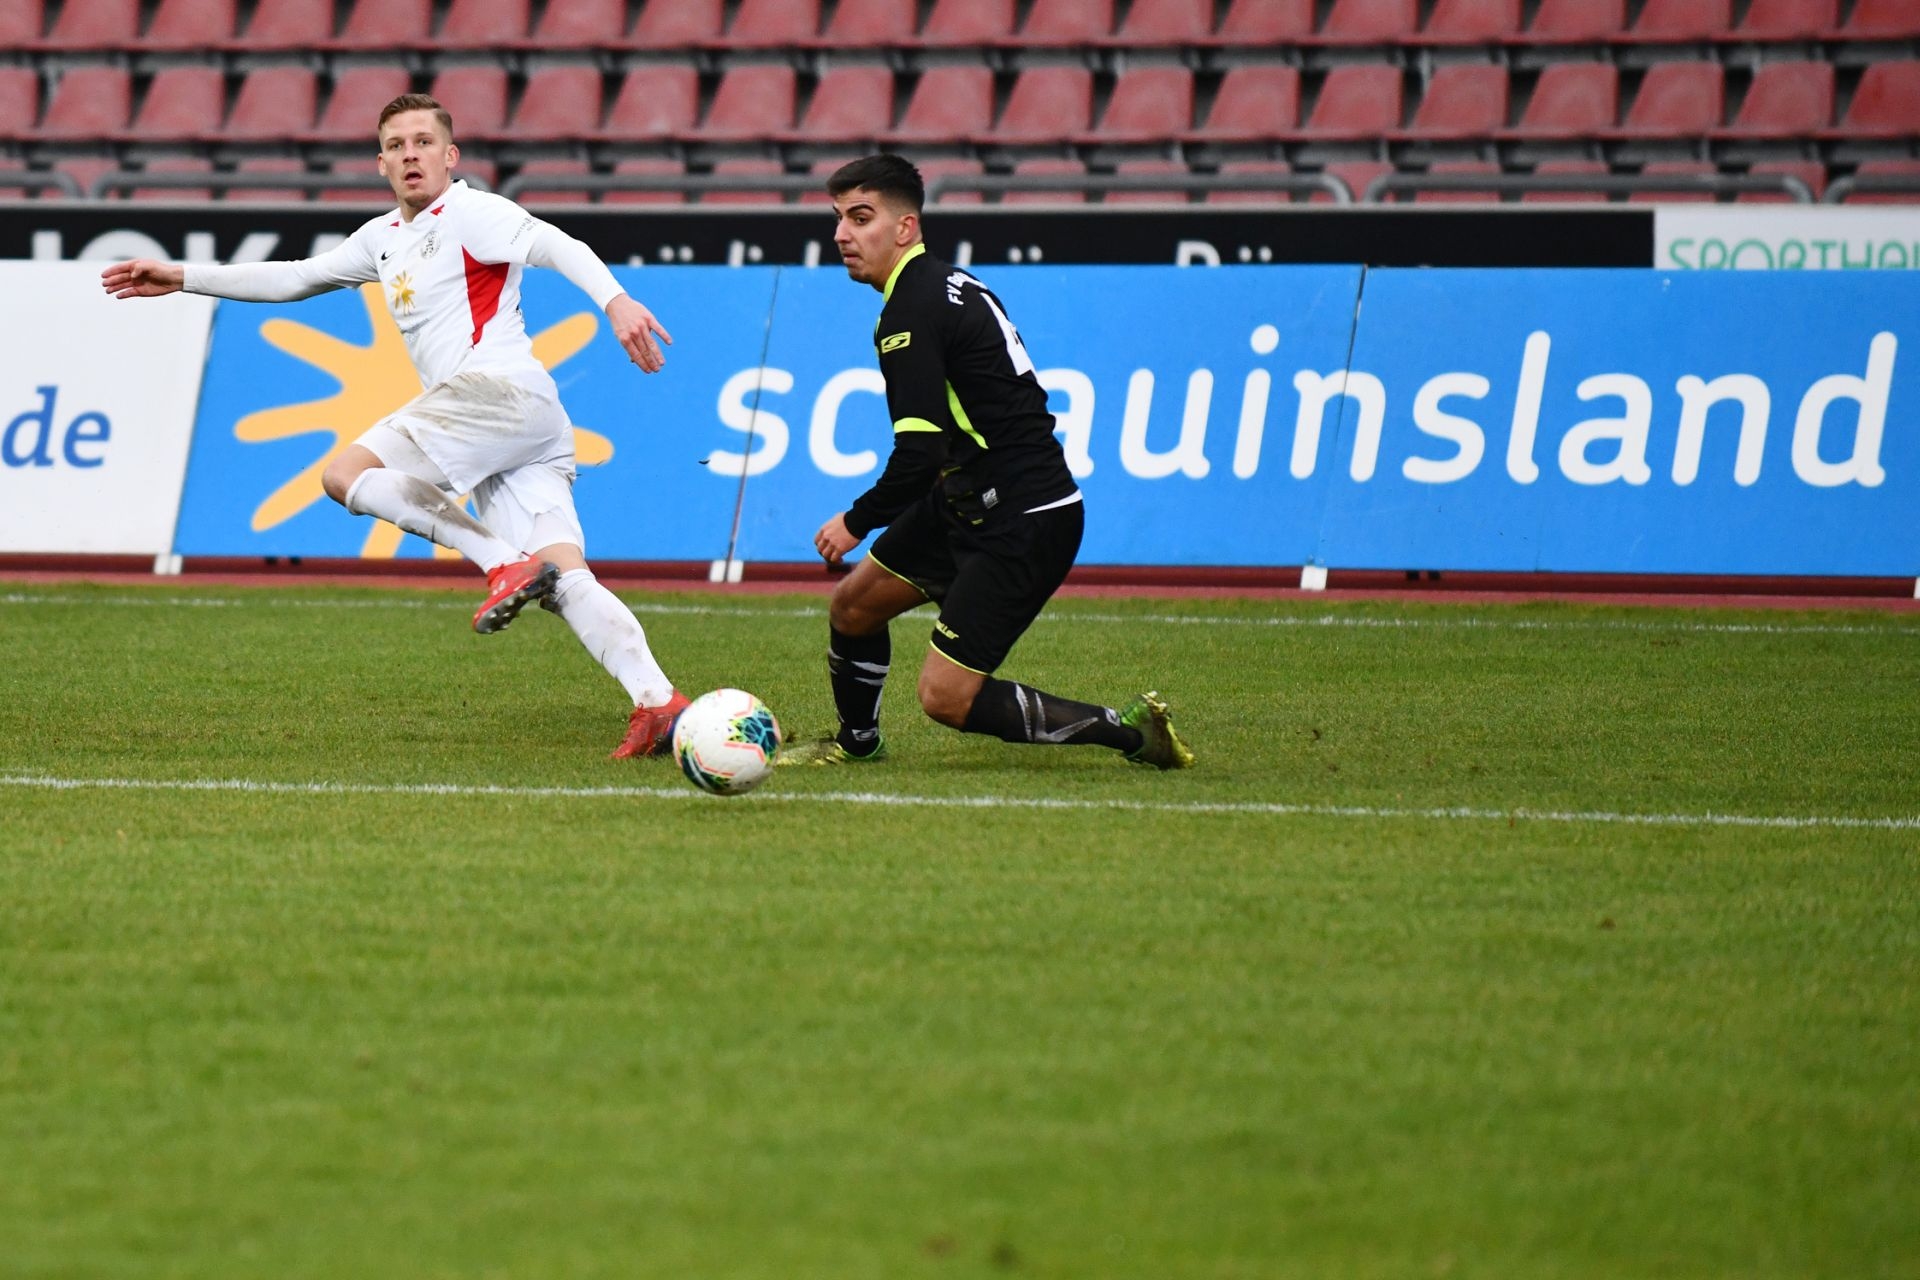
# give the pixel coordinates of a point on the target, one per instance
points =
(489, 421)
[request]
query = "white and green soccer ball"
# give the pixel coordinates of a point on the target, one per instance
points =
(725, 742)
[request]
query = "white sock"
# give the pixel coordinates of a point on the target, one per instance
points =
(612, 635)
(419, 508)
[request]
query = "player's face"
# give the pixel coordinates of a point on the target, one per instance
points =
(416, 158)
(871, 235)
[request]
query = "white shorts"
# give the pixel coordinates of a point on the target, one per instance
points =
(511, 448)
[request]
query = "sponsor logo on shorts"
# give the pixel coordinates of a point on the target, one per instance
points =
(945, 630)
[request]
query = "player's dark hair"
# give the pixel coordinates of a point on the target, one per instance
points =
(416, 102)
(887, 175)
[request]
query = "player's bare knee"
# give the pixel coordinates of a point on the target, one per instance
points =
(943, 701)
(337, 479)
(848, 615)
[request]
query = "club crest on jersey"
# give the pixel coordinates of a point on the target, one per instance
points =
(894, 341)
(431, 245)
(401, 299)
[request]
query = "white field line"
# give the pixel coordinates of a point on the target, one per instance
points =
(881, 800)
(1325, 620)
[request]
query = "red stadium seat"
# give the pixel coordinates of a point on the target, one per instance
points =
(1674, 20)
(1571, 100)
(95, 24)
(964, 22)
(931, 171)
(560, 104)
(553, 195)
(268, 195)
(677, 24)
(1548, 168)
(1148, 104)
(1570, 21)
(850, 104)
(1265, 22)
(1885, 105)
(273, 102)
(475, 95)
(287, 24)
(583, 24)
(771, 168)
(1069, 192)
(1255, 102)
(651, 168)
(1253, 168)
(84, 170)
(484, 24)
(860, 24)
(817, 195)
(1676, 100)
(21, 24)
(1370, 21)
(1675, 197)
(89, 102)
(1171, 195)
(751, 102)
(1786, 100)
(1811, 172)
(478, 172)
(385, 25)
(1473, 22)
(1068, 22)
(1163, 22)
(763, 24)
(1909, 168)
(1459, 197)
(190, 24)
(182, 103)
(352, 112)
(171, 164)
(1048, 104)
(1883, 20)
(19, 101)
(1463, 100)
(950, 104)
(1789, 19)
(1357, 101)
(1358, 175)
(359, 184)
(656, 100)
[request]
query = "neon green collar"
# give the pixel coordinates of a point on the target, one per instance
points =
(887, 293)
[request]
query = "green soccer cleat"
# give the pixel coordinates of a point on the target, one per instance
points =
(1159, 746)
(827, 751)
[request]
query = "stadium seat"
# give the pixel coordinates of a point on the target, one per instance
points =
(352, 112)
(1253, 168)
(287, 24)
(1788, 19)
(752, 101)
(475, 95)
(656, 168)
(89, 102)
(1886, 104)
(1255, 23)
(359, 184)
(966, 22)
(189, 24)
(1069, 192)
(1679, 20)
(553, 195)
(1459, 197)
(1358, 175)
(267, 195)
(1473, 22)
(1356, 101)
(766, 24)
(1574, 21)
(273, 102)
(1675, 197)
(950, 104)
(385, 25)
(1167, 22)
(1571, 100)
(171, 164)
(84, 170)
(95, 24)
(1883, 20)
(1370, 22)
(1067, 22)
(1550, 168)
(1463, 100)
(1909, 168)
(21, 24)
(1170, 195)
(181, 103)
(478, 172)
(676, 24)
(19, 101)
(870, 23)
(850, 104)
(484, 24)
(560, 104)
(1677, 100)
(582, 24)
(932, 171)
(1254, 103)
(1811, 172)
(656, 100)
(1786, 100)
(771, 168)
(1048, 104)
(1148, 104)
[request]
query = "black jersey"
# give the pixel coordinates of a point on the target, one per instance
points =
(968, 412)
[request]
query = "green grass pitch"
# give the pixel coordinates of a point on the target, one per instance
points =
(1524, 941)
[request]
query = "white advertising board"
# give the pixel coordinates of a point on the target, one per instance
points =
(97, 400)
(1786, 238)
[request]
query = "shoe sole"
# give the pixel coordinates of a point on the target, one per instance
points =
(505, 611)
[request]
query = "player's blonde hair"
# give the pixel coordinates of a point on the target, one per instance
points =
(416, 102)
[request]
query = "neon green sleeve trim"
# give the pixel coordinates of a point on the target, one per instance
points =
(914, 424)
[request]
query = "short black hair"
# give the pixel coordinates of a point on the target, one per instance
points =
(885, 174)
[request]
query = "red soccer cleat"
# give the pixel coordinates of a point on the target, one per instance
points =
(511, 587)
(650, 731)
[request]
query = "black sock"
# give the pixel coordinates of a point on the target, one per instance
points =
(1016, 713)
(857, 667)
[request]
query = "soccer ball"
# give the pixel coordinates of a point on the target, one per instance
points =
(725, 742)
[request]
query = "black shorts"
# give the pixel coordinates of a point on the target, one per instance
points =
(990, 582)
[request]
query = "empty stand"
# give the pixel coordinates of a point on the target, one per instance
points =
(268, 195)
(1675, 20)
(1886, 104)
(1447, 167)
(19, 101)
(1786, 100)
(1254, 103)
(1254, 168)
(1370, 21)
(182, 103)
(274, 102)
(1358, 175)
(742, 168)
(1788, 19)
(1159, 22)
(1070, 192)
(1068, 22)
(968, 22)
(85, 170)
(352, 113)
(189, 24)
(1811, 172)
(931, 171)
(1571, 100)
(1473, 22)
(1680, 167)
(560, 104)
(1174, 194)
(950, 104)
(553, 195)
(171, 164)
(484, 24)
(857, 23)
(752, 101)
(770, 23)
(1356, 101)
(383, 25)
(1568, 21)
(677, 24)
(1463, 100)
(1148, 104)
(1905, 168)
(21, 22)
(1883, 20)
(287, 24)
(1556, 168)
(358, 182)
(1048, 104)
(1265, 22)
(653, 168)
(583, 24)
(95, 24)
(850, 104)
(89, 102)
(475, 96)
(1677, 99)
(655, 101)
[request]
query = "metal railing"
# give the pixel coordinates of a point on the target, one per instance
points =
(62, 182)
(1382, 188)
(375, 189)
(1840, 188)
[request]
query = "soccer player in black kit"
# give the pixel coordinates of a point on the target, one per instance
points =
(981, 513)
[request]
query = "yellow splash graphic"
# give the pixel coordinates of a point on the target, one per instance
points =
(375, 380)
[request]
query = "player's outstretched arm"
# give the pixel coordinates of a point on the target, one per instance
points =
(635, 328)
(143, 278)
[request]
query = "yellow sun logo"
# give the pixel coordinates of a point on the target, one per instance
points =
(375, 380)
(403, 294)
